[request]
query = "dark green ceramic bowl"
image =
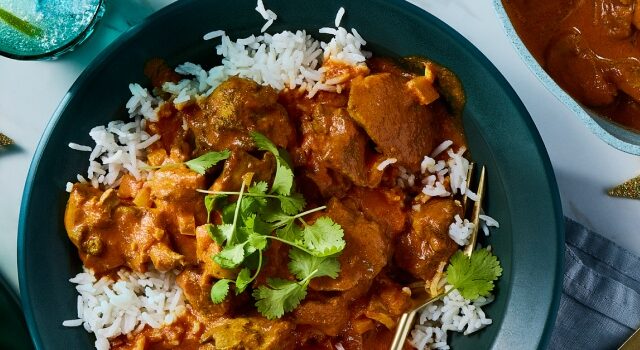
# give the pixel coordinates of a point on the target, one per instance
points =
(522, 192)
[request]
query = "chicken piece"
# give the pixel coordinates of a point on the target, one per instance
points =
(391, 116)
(256, 333)
(387, 303)
(427, 244)
(206, 248)
(614, 17)
(174, 193)
(110, 235)
(423, 89)
(240, 163)
(576, 69)
(365, 254)
(329, 315)
(163, 258)
(334, 141)
(236, 107)
(198, 296)
(384, 206)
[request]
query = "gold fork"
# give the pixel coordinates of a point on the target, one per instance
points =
(407, 320)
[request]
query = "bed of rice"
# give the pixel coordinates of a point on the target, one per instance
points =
(291, 60)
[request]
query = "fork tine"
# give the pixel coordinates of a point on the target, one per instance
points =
(475, 215)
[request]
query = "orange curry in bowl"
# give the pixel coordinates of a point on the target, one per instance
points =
(590, 48)
(396, 236)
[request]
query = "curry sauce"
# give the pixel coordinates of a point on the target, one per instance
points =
(590, 48)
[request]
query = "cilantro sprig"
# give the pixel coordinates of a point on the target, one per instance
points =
(473, 276)
(248, 223)
(200, 164)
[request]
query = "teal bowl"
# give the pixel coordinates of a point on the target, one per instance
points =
(522, 192)
(623, 139)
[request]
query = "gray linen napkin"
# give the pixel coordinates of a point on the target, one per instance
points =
(600, 303)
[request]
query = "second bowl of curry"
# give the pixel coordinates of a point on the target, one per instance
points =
(586, 54)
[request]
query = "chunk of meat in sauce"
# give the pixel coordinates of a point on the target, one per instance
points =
(330, 315)
(367, 250)
(205, 249)
(427, 244)
(234, 108)
(392, 117)
(196, 292)
(240, 163)
(109, 234)
(173, 192)
(253, 332)
(384, 206)
(569, 56)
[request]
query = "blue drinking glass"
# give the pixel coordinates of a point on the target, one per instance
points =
(45, 29)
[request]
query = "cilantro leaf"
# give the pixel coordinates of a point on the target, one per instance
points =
(292, 204)
(283, 179)
(220, 290)
(201, 164)
(290, 232)
(473, 276)
(257, 241)
(220, 233)
(231, 256)
(243, 280)
(279, 297)
(324, 237)
(258, 188)
(264, 143)
(303, 265)
(210, 203)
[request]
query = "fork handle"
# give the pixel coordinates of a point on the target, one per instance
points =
(404, 327)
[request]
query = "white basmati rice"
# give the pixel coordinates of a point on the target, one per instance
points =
(110, 308)
(386, 163)
(452, 313)
(460, 230)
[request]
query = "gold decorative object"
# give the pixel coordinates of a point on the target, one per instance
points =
(5, 140)
(628, 189)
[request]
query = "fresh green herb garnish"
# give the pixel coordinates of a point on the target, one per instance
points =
(473, 276)
(248, 224)
(201, 164)
(280, 296)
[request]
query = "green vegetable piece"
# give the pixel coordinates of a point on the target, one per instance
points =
(324, 237)
(201, 164)
(243, 280)
(303, 265)
(279, 297)
(473, 276)
(231, 256)
(220, 290)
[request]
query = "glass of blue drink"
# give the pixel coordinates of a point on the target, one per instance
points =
(45, 29)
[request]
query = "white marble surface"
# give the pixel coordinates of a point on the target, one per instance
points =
(584, 165)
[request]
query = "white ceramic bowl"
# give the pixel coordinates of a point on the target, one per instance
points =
(611, 133)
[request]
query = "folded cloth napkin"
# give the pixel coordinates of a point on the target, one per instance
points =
(600, 302)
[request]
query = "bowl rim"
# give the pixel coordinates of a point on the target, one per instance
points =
(592, 121)
(555, 255)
